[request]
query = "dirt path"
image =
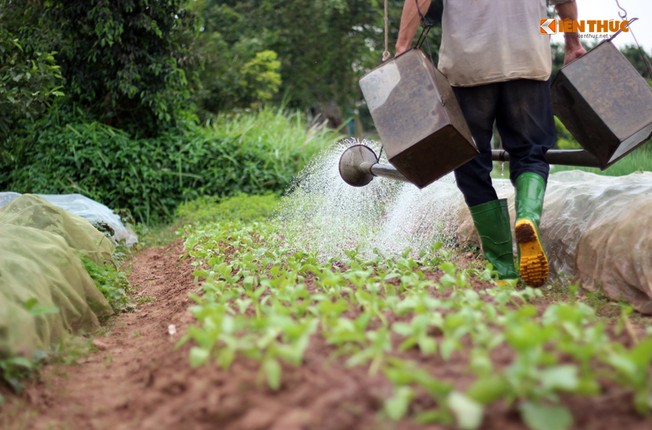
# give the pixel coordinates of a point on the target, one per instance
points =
(101, 390)
(138, 379)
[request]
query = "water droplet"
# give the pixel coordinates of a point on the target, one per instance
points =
(322, 213)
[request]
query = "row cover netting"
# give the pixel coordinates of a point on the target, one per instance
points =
(45, 291)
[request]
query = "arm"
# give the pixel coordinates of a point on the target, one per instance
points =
(410, 21)
(574, 48)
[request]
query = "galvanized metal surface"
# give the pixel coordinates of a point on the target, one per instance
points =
(355, 165)
(604, 102)
(387, 171)
(418, 118)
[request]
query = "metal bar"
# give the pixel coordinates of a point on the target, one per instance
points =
(562, 157)
(565, 157)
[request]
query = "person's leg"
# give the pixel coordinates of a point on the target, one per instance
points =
(479, 106)
(490, 215)
(526, 126)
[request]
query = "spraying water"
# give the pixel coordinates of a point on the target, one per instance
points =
(323, 214)
(597, 229)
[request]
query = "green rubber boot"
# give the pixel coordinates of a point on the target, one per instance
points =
(491, 220)
(533, 263)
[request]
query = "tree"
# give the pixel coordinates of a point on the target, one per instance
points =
(29, 82)
(236, 69)
(126, 62)
(323, 48)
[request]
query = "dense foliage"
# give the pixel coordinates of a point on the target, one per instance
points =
(125, 62)
(134, 63)
(29, 80)
(149, 177)
(322, 48)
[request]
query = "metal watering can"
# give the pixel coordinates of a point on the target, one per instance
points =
(418, 118)
(602, 100)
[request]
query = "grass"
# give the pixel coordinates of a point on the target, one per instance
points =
(283, 136)
(156, 235)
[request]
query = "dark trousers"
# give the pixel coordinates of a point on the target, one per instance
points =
(522, 112)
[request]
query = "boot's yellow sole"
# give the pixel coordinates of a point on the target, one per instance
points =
(533, 263)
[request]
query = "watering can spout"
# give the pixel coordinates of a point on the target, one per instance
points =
(359, 164)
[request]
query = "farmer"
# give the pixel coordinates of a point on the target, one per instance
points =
(499, 64)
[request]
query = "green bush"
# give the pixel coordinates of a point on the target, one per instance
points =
(251, 153)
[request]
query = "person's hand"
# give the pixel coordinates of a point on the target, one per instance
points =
(574, 48)
(401, 49)
(573, 54)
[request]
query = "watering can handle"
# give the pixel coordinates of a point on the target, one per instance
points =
(640, 50)
(620, 31)
(427, 21)
(422, 36)
(623, 13)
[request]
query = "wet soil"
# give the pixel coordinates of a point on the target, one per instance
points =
(140, 379)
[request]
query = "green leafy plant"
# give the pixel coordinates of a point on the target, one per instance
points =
(267, 301)
(14, 370)
(112, 282)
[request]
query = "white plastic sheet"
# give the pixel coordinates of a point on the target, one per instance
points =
(597, 232)
(95, 212)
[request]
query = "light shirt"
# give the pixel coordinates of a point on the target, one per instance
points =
(487, 41)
